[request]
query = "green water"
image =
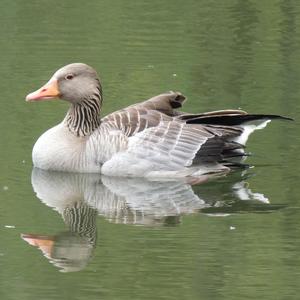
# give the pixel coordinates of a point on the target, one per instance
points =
(235, 237)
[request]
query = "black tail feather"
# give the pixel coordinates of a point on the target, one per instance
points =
(229, 120)
(235, 165)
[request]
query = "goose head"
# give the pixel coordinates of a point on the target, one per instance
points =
(75, 83)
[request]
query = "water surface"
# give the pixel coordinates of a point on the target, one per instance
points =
(233, 237)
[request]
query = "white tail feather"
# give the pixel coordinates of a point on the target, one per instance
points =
(248, 128)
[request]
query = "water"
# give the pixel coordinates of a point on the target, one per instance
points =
(234, 237)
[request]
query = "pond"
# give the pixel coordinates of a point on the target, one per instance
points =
(72, 236)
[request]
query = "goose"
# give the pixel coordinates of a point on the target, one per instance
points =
(148, 139)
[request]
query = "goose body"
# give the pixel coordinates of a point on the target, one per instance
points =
(151, 138)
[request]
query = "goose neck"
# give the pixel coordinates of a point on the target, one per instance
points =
(84, 117)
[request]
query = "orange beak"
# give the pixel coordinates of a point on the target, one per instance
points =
(48, 91)
(43, 242)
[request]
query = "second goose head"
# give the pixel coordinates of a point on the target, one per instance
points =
(75, 83)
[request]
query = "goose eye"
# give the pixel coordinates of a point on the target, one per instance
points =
(69, 76)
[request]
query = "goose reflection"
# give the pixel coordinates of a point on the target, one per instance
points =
(79, 198)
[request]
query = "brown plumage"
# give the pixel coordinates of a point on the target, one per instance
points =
(151, 138)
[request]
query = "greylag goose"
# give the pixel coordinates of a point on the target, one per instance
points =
(147, 139)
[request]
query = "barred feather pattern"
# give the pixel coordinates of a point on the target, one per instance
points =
(177, 144)
(83, 118)
(149, 131)
(81, 220)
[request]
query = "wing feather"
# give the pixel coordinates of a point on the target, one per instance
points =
(158, 138)
(140, 116)
(171, 143)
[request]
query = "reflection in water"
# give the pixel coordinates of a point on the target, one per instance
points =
(72, 249)
(80, 197)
